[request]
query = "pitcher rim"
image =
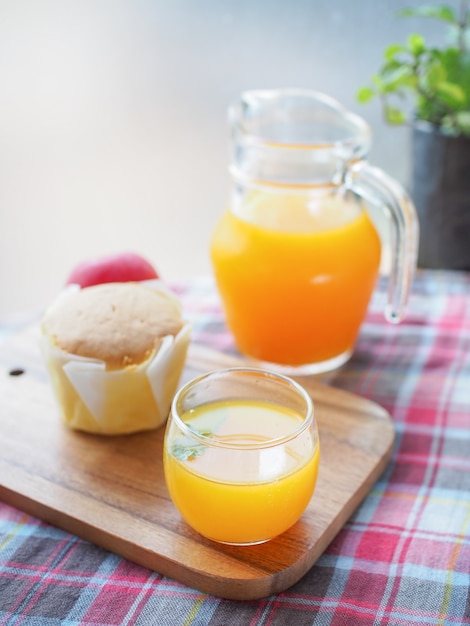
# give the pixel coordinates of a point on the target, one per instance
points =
(362, 135)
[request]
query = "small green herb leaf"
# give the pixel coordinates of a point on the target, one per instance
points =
(186, 449)
(183, 452)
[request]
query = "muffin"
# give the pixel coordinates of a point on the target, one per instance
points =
(115, 353)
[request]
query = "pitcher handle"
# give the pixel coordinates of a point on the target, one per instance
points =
(374, 185)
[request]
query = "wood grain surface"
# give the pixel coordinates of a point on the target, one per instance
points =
(111, 490)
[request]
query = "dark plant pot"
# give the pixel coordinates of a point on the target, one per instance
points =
(440, 189)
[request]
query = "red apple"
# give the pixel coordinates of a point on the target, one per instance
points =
(116, 268)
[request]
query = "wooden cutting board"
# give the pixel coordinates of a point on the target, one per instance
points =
(111, 490)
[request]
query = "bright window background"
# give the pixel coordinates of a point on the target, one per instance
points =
(113, 128)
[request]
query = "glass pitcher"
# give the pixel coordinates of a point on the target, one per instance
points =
(296, 255)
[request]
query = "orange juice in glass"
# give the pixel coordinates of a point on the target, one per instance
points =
(241, 455)
(296, 256)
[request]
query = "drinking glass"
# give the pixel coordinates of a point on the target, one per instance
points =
(241, 454)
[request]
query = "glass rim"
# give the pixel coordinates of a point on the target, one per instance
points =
(212, 442)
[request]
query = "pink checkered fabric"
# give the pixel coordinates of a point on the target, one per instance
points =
(402, 559)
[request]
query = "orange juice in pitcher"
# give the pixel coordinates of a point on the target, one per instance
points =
(296, 256)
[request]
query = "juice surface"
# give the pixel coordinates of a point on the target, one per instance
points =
(243, 496)
(295, 274)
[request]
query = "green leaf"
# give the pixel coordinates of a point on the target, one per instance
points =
(378, 82)
(394, 78)
(392, 50)
(186, 449)
(365, 94)
(429, 110)
(433, 75)
(450, 93)
(457, 66)
(182, 451)
(462, 121)
(441, 12)
(457, 124)
(394, 115)
(416, 44)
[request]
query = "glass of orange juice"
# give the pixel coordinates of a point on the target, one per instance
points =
(296, 254)
(241, 454)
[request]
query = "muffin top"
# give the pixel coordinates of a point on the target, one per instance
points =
(121, 324)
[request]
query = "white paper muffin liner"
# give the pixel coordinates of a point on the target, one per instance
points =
(126, 400)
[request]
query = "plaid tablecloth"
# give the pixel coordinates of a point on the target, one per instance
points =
(402, 559)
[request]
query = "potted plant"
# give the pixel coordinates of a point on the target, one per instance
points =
(429, 88)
